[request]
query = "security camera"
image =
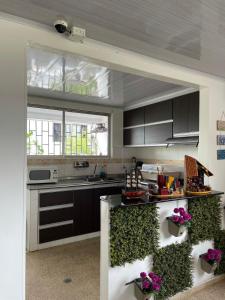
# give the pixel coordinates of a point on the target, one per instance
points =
(61, 26)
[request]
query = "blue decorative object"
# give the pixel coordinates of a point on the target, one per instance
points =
(220, 154)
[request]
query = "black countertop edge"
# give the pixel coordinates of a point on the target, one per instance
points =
(116, 200)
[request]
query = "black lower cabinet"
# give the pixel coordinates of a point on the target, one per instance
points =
(97, 206)
(83, 211)
(55, 233)
(56, 215)
(56, 198)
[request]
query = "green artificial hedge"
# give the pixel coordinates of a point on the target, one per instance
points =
(173, 263)
(134, 233)
(219, 243)
(206, 218)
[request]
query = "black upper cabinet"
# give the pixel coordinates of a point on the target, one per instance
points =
(134, 136)
(186, 113)
(158, 112)
(194, 112)
(134, 117)
(158, 134)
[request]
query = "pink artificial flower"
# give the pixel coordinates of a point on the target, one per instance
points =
(175, 219)
(186, 217)
(146, 284)
(182, 211)
(151, 275)
(211, 251)
(189, 217)
(211, 256)
(181, 220)
(176, 210)
(156, 287)
(218, 254)
(143, 275)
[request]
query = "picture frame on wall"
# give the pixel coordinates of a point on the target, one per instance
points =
(221, 125)
(220, 154)
(220, 139)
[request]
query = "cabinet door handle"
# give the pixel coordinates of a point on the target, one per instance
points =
(56, 207)
(56, 224)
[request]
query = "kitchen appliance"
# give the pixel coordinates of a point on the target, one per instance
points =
(150, 172)
(37, 175)
(154, 177)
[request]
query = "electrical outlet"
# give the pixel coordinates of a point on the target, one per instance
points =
(77, 34)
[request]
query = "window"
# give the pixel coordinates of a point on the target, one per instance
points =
(60, 132)
(64, 73)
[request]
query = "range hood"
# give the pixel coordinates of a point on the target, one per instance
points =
(190, 140)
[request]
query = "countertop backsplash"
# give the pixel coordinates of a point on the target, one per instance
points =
(66, 166)
(111, 166)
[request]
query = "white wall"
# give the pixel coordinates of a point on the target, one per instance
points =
(12, 118)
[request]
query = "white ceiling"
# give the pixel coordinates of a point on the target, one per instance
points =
(56, 75)
(190, 33)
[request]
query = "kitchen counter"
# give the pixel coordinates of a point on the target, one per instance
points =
(76, 183)
(116, 200)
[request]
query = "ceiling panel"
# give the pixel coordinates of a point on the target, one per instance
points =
(190, 33)
(136, 88)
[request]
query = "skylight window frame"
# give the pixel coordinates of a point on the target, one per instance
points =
(62, 85)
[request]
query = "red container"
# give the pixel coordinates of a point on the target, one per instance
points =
(161, 181)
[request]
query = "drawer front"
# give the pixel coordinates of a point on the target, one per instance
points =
(57, 198)
(56, 215)
(55, 233)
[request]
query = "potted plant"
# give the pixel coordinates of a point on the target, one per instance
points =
(210, 260)
(147, 286)
(178, 222)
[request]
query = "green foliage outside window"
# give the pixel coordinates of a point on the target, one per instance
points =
(31, 142)
(82, 89)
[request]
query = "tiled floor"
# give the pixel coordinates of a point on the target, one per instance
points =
(47, 269)
(212, 292)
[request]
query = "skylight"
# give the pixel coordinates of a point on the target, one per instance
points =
(68, 74)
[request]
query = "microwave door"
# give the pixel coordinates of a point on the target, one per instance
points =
(39, 176)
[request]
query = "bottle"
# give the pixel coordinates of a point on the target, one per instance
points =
(102, 173)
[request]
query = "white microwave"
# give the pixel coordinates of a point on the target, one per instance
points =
(37, 175)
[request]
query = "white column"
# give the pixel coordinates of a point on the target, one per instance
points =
(12, 164)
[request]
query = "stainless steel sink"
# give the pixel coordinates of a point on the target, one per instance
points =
(94, 179)
(88, 181)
